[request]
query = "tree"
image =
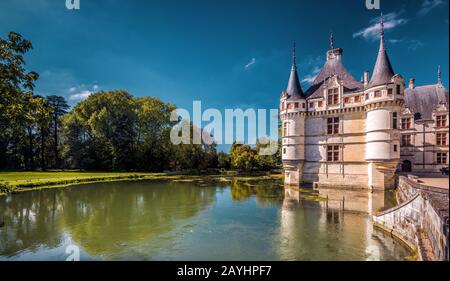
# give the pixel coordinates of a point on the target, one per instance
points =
(59, 107)
(223, 161)
(16, 89)
(243, 158)
(105, 131)
(43, 119)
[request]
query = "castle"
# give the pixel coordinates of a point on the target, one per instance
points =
(345, 132)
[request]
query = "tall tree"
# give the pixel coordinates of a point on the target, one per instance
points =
(16, 87)
(59, 107)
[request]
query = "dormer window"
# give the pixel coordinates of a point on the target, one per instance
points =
(333, 96)
(406, 123)
(441, 121)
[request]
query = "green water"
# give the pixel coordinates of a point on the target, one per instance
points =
(179, 221)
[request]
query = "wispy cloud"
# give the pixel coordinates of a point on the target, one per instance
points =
(312, 76)
(428, 5)
(252, 62)
(80, 96)
(414, 45)
(82, 92)
(395, 41)
(372, 32)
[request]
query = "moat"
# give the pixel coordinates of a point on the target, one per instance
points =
(184, 221)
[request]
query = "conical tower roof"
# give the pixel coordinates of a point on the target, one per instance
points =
(294, 89)
(383, 71)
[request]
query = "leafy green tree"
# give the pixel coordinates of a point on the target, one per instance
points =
(105, 126)
(59, 107)
(16, 88)
(243, 158)
(153, 133)
(224, 161)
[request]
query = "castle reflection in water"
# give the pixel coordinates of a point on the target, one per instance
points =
(334, 215)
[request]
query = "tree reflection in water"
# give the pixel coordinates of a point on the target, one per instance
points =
(184, 221)
(103, 219)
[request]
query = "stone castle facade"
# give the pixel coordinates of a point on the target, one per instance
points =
(344, 132)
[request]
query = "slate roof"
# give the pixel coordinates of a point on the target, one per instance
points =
(383, 71)
(334, 66)
(294, 89)
(425, 99)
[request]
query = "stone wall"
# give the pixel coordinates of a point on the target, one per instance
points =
(423, 212)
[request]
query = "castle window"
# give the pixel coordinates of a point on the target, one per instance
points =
(357, 99)
(296, 105)
(311, 105)
(303, 105)
(399, 89)
(333, 153)
(441, 139)
(377, 94)
(346, 100)
(333, 96)
(333, 125)
(441, 158)
(288, 105)
(406, 140)
(320, 103)
(367, 96)
(285, 129)
(390, 91)
(395, 148)
(394, 120)
(284, 150)
(441, 121)
(406, 123)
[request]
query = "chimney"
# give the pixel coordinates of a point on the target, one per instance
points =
(412, 83)
(366, 78)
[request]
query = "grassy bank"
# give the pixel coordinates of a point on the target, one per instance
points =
(15, 182)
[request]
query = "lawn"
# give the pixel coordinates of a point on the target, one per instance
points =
(13, 182)
(20, 177)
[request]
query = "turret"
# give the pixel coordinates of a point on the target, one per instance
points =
(383, 102)
(293, 110)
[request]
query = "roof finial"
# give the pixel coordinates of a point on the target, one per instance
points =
(382, 29)
(294, 56)
(331, 41)
(439, 74)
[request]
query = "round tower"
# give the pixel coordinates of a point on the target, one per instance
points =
(383, 102)
(293, 109)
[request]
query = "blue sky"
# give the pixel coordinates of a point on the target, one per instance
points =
(228, 54)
